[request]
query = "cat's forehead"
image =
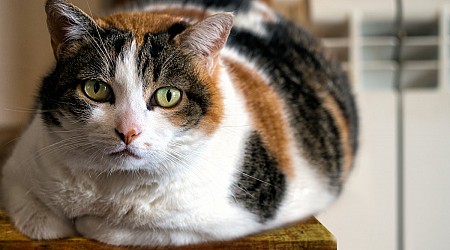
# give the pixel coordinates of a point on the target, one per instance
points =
(139, 23)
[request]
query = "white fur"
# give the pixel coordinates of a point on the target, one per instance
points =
(307, 193)
(254, 21)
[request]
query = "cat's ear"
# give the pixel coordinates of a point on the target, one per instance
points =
(66, 22)
(207, 37)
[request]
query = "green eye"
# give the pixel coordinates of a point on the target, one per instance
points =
(167, 97)
(97, 91)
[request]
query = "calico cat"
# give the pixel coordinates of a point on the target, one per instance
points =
(179, 122)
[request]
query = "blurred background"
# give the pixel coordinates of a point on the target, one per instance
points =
(396, 52)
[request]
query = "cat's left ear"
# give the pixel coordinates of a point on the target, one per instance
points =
(66, 23)
(207, 37)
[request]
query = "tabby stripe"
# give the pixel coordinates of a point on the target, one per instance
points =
(331, 105)
(50, 120)
(315, 131)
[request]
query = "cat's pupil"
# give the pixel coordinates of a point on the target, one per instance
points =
(169, 96)
(96, 87)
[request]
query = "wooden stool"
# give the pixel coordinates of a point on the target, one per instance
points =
(309, 234)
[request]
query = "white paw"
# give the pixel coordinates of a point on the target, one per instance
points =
(33, 218)
(96, 228)
(89, 226)
(43, 225)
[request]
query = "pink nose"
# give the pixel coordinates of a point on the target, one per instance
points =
(128, 137)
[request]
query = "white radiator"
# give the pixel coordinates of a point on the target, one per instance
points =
(397, 55)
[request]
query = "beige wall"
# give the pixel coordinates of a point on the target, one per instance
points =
(25, 55)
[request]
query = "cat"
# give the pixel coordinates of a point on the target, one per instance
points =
(180, 122)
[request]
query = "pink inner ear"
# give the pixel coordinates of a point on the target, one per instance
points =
(208, 37)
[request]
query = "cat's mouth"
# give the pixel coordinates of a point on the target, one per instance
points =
(125, 153)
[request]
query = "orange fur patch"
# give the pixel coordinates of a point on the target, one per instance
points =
(186, 14)
(265, 110)
(139, 23)
(210, 122)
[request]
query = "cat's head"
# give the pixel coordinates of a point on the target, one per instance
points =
(131, 90)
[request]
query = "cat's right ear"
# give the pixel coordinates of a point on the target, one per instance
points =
(207, 37)
(66, 23)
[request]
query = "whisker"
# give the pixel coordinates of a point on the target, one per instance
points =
(20, 110)
(108, 56)
(244, 190)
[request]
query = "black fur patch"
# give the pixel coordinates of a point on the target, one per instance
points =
(223, 5)
(261, 185)
(176, 29)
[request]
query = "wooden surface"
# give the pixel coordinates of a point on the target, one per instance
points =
(309, 234)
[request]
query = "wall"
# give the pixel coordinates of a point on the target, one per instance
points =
(25, 56)
(396, 197)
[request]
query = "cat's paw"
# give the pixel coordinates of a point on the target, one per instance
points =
(34, 219)
(96, 228)
(88, 226)
(46, 228)
(42, 224)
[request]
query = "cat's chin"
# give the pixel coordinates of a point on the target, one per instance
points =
(125, 154)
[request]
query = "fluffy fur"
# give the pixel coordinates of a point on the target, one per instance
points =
(264, 133)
